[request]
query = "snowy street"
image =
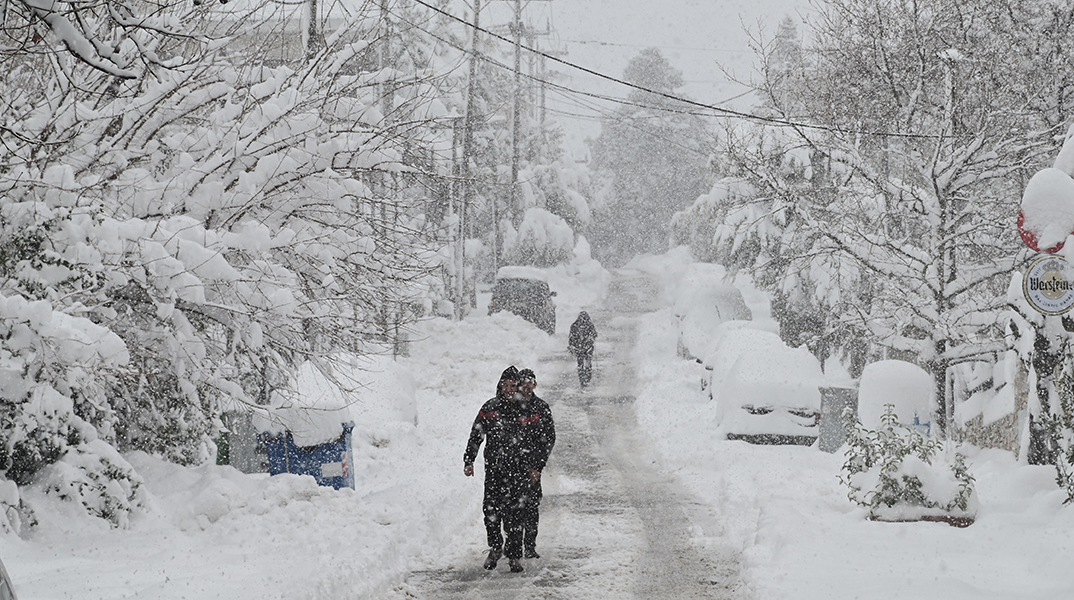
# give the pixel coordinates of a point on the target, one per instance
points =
(613, 524)
(278, 278)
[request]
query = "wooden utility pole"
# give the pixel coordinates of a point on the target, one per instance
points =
(517, 29)
(516, 117)
(468, 155)
(536, 95)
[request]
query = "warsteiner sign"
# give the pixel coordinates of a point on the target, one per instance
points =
(1046, 287)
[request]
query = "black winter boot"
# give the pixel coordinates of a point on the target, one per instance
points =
(494, 555)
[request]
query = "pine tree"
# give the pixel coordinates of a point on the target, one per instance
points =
(653, 157)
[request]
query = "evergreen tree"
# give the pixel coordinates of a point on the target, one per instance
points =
(652, 156)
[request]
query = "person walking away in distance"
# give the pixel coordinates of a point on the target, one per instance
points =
(580, 343)
(543, 439)
(507, 427)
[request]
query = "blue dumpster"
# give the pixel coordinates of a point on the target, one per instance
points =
(329, 463)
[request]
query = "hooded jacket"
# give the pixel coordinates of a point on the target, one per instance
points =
(517, 436)
(582, 335)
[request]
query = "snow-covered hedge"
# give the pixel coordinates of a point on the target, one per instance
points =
(543, 240)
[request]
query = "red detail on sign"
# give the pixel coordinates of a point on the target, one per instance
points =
(1030, 238)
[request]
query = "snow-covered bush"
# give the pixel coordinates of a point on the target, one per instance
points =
(543, 240)
(1041, 345)
(52, 369)
(1060, 424)
(559, 187)
(899, 475)
(96, 477)
(15, 515)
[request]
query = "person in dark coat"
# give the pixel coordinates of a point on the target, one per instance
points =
(580, 343)
(510, 430)
(542, 447)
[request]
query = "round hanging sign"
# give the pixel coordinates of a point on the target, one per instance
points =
(1030, 237)
(1046, 288)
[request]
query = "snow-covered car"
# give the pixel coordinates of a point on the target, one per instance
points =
(704, 303)
(7, 590)
(765, 391)
(524, 291)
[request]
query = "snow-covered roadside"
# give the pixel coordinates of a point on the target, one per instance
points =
(213, 532)
(800, 536)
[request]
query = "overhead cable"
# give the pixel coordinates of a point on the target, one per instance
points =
(726, 112)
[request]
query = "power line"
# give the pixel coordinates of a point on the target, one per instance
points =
(620, 45)
(727, 112)
(567, 89)
(571, 94)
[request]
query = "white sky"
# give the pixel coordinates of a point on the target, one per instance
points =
(698, 37)
(701, 38)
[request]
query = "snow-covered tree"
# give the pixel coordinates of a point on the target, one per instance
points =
(652, 157)
(884, 206)
(187, 216)
(546, 180)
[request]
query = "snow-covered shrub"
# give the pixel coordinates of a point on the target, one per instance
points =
(1042, 346)
(561, 188)
(50, 365)
(15, 515)
(899, 475)
(96, 477)
(1060, 424)
(543, 240)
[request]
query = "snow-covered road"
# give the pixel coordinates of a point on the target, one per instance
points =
(613, 524)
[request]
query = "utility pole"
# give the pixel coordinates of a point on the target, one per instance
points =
(516, 116)
(467, 157)
(536, 95)
(516, 28)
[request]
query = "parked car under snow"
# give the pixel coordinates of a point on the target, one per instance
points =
(524, 291)
(765, 391)
(706, 302)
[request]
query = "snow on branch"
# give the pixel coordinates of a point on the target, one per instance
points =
(93, 54)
